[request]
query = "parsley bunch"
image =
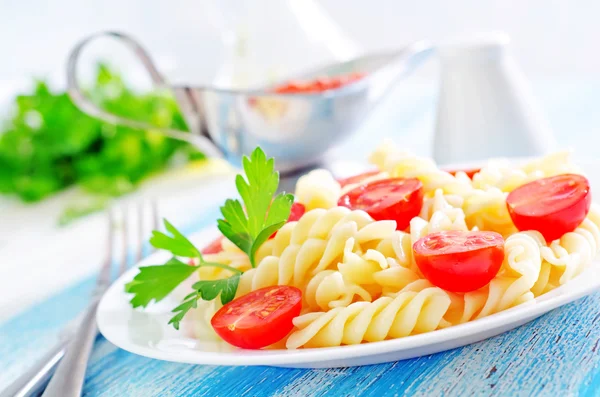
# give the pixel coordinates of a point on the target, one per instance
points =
(49, 144)
(247, 225)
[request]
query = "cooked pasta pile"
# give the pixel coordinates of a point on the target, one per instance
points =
(358, 275)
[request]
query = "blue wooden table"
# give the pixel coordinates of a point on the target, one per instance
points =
(555, 355)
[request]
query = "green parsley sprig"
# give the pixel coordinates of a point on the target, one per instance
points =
(264, 215)
(48, 144)
(248, 226)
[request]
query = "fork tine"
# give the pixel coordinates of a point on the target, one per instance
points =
(140, 232)
(104, 275)
(141, 214)
(125, 246)
(155, 218)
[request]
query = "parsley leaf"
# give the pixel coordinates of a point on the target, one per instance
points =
(156, 282)
(190, 302)
(206, 290)
(210, 289)
(178, 245)
(264, 214)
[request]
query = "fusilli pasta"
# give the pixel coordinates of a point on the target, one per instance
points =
(504, 175)
(318, 189)
(314, 243)
(574, 251)
(486, 210)
(408, 312)
(359, 279)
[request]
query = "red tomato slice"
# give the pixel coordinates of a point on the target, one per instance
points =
(397, 199)
(357, 178)
(459, 261)
(214, 247)
(553, 206)
(469, 171)
(260, 318)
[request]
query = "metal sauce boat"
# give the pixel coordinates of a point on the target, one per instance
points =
(298, 129)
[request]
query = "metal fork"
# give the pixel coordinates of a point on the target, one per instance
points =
(74, 349)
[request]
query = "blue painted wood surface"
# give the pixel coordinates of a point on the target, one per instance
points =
(555, 355)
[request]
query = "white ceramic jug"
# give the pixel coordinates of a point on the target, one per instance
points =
(486, 108)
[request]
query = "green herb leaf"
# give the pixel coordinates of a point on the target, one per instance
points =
(264, 236)
(178, 244)
(206, 290)
(210, 289)
(189, 302)
(49, 144)
(247, 229)
(154, 283)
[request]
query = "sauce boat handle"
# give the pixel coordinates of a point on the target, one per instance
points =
(194, 136)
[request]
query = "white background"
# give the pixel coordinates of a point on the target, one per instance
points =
(551, 38)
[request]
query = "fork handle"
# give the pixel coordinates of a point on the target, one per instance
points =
(32, 382)
(70, 374)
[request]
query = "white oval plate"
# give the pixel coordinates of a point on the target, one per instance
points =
(146, 332)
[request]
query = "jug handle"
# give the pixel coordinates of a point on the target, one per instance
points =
(195, 138)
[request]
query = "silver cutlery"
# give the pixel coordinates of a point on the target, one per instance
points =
(61, 371)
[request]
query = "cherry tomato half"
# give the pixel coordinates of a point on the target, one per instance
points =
(357, 178)
(459, 261)
(469, 171)
(260, 318)
(397, 199)
(553, 206)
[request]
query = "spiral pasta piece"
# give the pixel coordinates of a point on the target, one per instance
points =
(409, 312)
(318, 189)
(549, 279)
(329, 289)
(500, 294)
(396, 248)
(486, 210)
(440, 202)
(354, 277)
(574, 251)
